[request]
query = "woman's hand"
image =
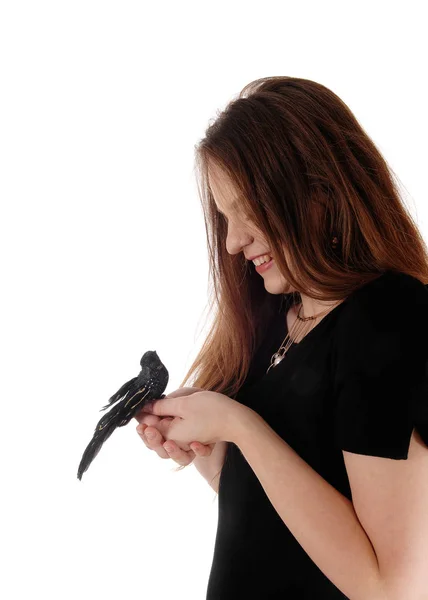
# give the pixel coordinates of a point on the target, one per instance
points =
(202, 416)
(159, 427)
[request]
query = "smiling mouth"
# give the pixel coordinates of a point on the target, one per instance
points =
(264, 266)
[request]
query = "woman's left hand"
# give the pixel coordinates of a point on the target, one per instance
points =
(205, 417)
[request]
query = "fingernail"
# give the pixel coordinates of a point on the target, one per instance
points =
(168, 448)
(150, 435)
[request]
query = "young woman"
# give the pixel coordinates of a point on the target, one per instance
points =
(310, 397)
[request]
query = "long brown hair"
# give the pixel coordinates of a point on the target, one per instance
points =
(305, 170)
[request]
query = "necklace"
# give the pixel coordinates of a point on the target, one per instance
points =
(297, 327)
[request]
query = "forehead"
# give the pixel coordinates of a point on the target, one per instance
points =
(224, 194)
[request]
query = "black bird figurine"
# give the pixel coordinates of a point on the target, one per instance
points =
(133, 395)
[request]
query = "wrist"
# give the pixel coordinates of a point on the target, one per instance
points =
(241, 419)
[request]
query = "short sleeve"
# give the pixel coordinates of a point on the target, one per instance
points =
(381, 368)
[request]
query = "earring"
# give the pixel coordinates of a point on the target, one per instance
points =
(334, 242)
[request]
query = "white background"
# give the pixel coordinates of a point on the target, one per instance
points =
(103, 252)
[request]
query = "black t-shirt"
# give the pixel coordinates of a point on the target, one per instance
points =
(358, 381)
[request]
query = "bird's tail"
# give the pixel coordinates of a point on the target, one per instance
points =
(105, 427)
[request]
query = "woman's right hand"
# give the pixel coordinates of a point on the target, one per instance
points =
(149, 423)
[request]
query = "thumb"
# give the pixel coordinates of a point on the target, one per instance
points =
(164, 407)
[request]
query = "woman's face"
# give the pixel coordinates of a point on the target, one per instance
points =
(242, 234)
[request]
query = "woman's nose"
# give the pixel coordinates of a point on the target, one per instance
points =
(237, 241)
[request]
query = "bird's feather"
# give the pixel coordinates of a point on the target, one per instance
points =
(131, 396)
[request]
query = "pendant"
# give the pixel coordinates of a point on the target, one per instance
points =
(278, 358)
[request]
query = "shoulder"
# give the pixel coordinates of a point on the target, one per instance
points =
(392, 288)
(393, 304)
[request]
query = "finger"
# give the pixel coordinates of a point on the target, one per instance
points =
(155, 442)
(180, 456)
(146, 410)
(143, 417)
(184, 391)
(161, 425)
(165, 407)
(165, 449)
(200, 449)
(139, 414)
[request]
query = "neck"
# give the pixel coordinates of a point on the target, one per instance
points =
(312, 307)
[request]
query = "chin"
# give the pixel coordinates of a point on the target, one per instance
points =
(278, 286)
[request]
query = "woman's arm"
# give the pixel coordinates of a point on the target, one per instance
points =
(321, 519)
